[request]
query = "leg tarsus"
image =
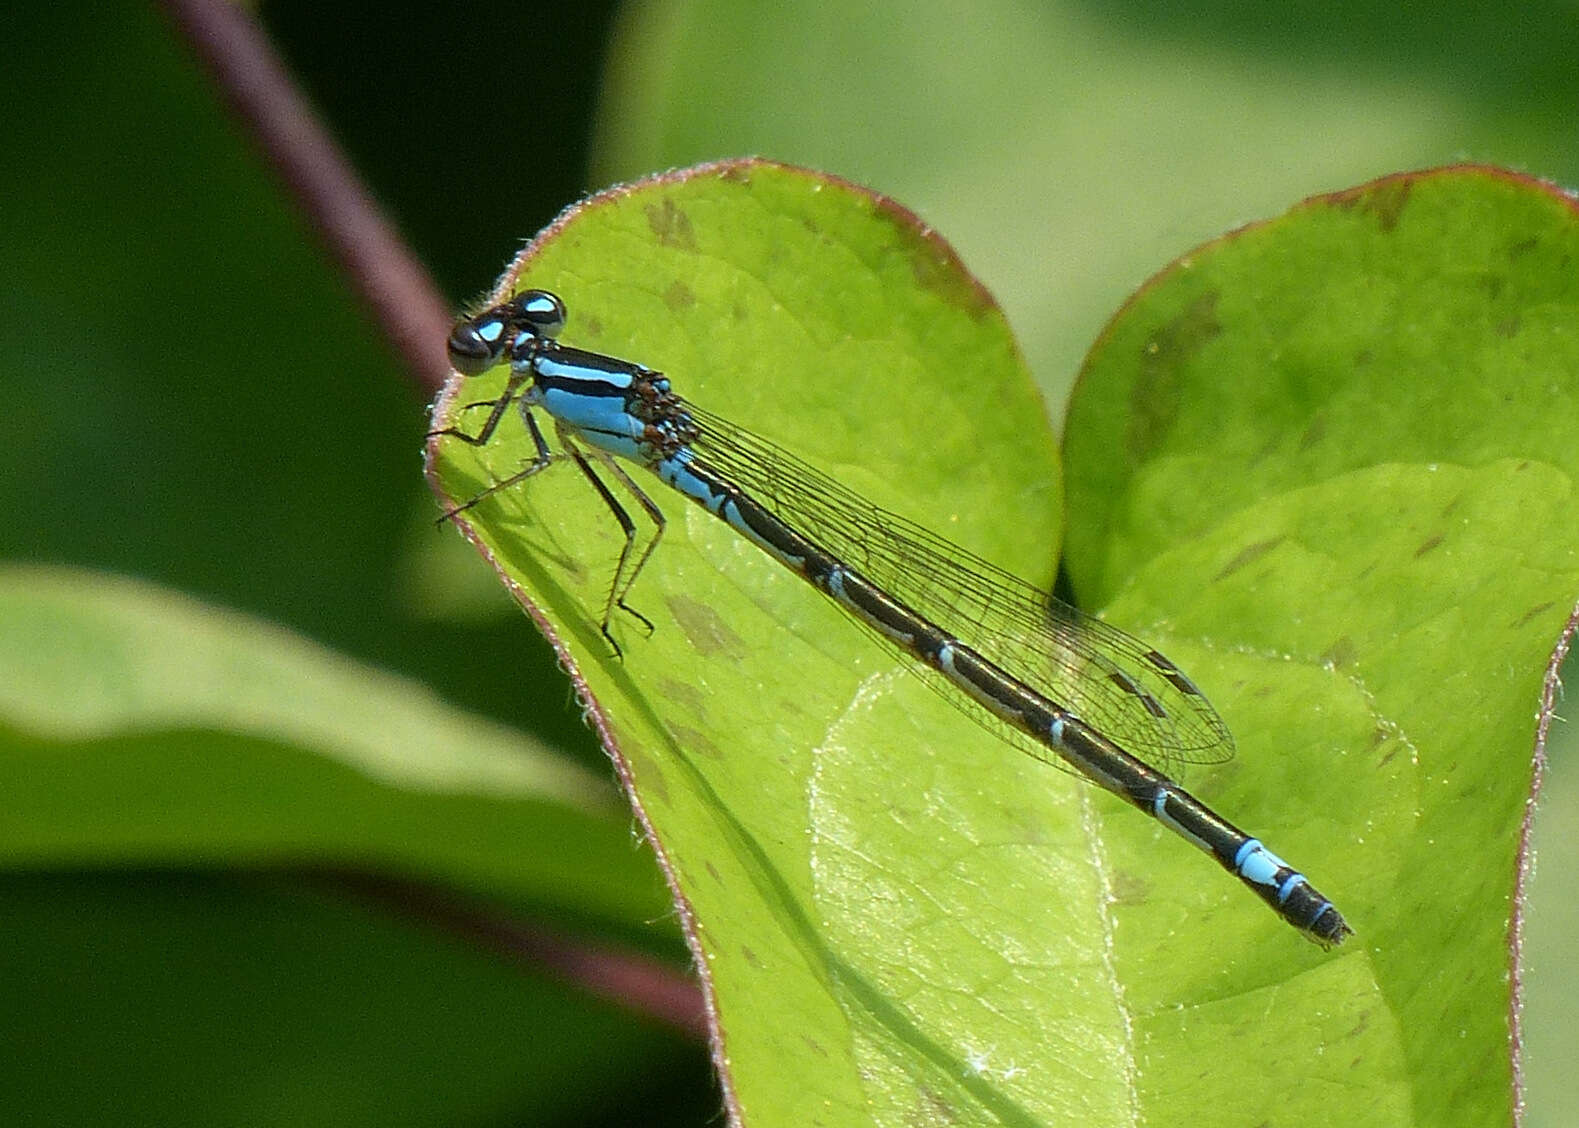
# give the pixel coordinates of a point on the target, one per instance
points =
(619, 654)
(543, 459)
(500, 406)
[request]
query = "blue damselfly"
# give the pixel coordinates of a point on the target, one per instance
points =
(1065, 687)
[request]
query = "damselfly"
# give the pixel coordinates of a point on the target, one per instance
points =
(1067, 688)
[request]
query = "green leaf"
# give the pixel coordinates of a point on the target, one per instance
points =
(897, 917)
(1351, 434)
(1067, 148)
(140, 727)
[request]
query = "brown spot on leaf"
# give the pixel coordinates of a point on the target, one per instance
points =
(704, 629)
(1342, 653)
(1522, 247)
(1247, 555)
(1430, 544)
(932, 1110)
(1384, 199)
(1315, 431)
(682, 694)
(1538, 609)
(933, 263)
(936, 269)
(649, 781)
(679, 296)
(1155, 397)
(1129, 888)
(671, 225)
(694, 741)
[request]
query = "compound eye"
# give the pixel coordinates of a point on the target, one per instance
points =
(541, 312)
(475, 344)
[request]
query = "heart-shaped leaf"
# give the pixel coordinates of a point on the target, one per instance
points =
(1350, 434)
(895, 915)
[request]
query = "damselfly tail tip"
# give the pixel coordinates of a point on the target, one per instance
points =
(1329, 929)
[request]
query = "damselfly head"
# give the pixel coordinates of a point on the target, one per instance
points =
(478, 343)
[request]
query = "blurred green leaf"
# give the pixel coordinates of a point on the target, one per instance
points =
(142, 727)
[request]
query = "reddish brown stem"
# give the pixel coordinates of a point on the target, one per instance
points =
(629, 979)
(409, 308)
(416, 319)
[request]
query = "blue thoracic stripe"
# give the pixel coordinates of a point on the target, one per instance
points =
(1115, 689)
(594, 374)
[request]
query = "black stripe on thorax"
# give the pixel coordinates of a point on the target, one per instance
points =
(593, 385)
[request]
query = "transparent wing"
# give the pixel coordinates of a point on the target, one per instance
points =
(1111, 680)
